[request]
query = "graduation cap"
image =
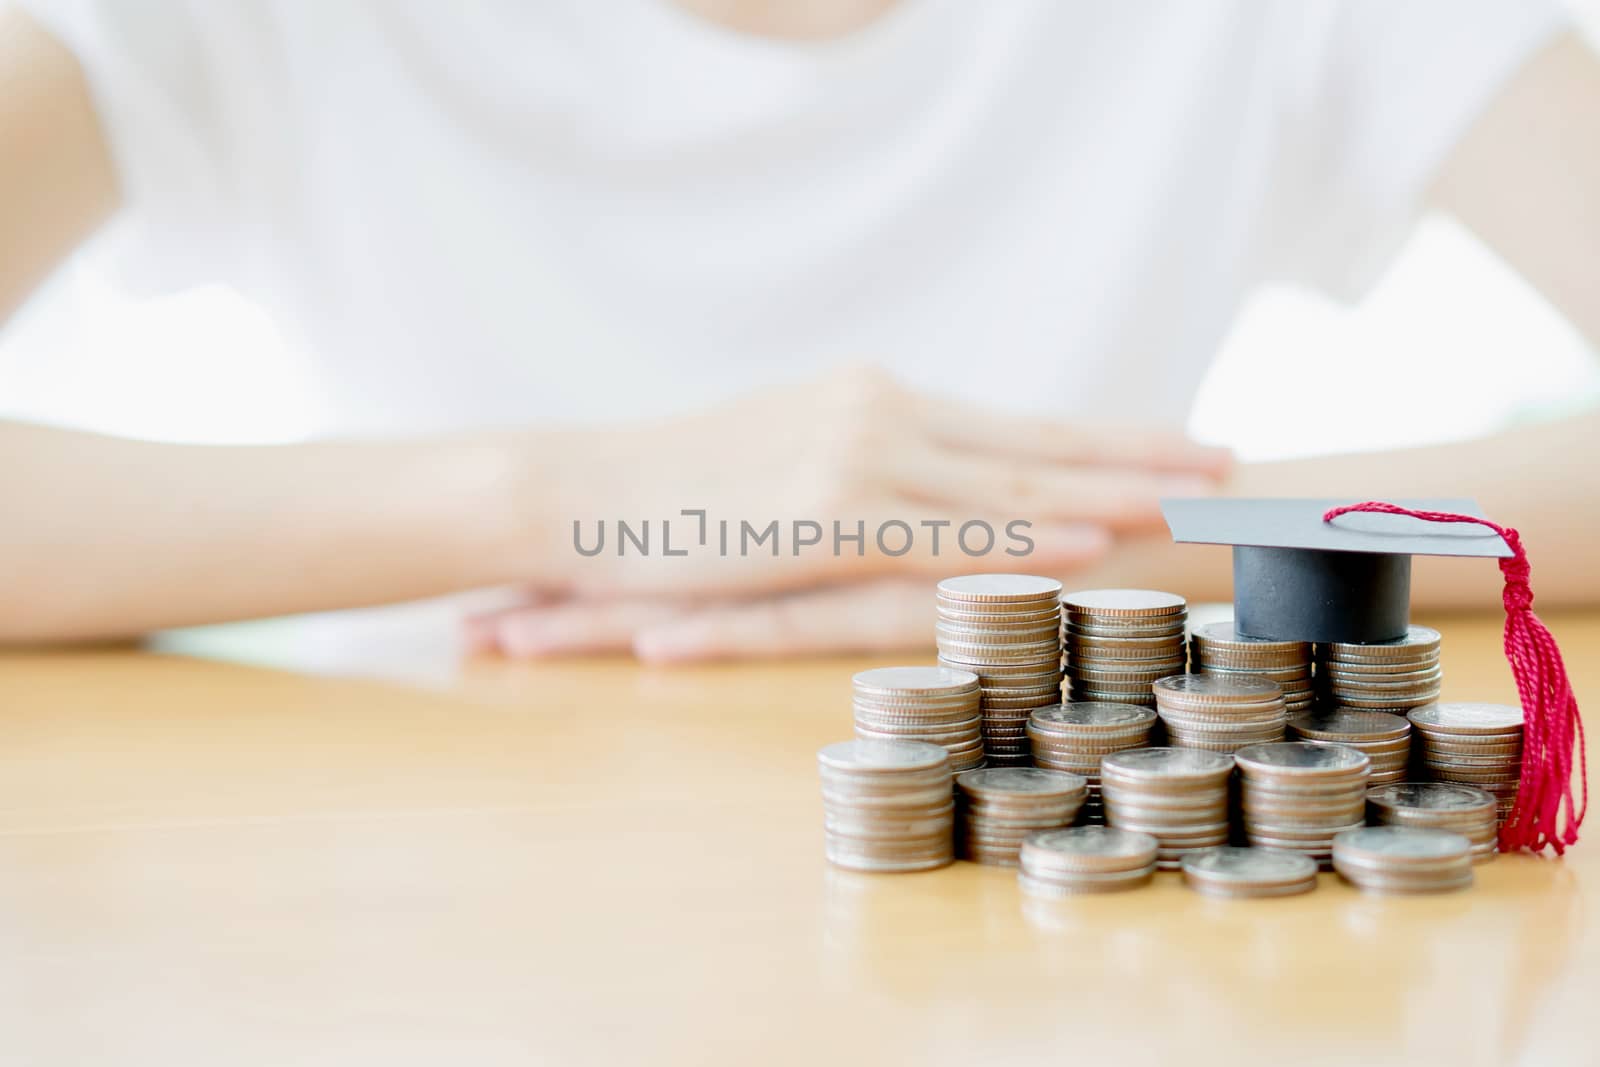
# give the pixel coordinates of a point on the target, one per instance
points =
(1298, 578)
(1334, 571)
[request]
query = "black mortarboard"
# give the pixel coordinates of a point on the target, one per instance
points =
(1298, 578)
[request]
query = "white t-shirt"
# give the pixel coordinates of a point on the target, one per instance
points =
(500, 211)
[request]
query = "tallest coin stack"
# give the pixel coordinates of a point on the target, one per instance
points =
(1006, 629)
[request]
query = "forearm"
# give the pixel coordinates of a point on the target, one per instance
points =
(107, 537)
(1543, 479)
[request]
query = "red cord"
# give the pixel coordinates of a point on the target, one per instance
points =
(1552, 726)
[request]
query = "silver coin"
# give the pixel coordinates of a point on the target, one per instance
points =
(1430, 797)
(1029, 780)
(1249, 866)
(1166, 763)
(999, 587)
(1472, 718)
(1301, 757)
(916, 680)
(1348, 722)
(1139, 602)
(877, 755)
(1403, 843)
(1093, 713)
(1218, 688)
(1093, 841)
(1416, 637)
(1226, 635)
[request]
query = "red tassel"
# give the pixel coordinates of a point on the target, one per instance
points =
(1551, 723)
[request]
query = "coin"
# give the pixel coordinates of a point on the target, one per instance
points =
(1297, 758)
(886, 805)
(999, 588)
(1403, 859)
(938, 705)
(1122, 602)
(1462, 809)
(1233, 872)
(1179, 795)
(1224, 636)
(915, 681)
(998, 807)
(1119, 641)
(1005, 629)
(1475, 718)
(1087, 850)
(1299, 794)
(881, 757)
(1212, 689)
(1473, 743)
(1417, 639)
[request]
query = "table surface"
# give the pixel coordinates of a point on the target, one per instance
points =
(592, 862)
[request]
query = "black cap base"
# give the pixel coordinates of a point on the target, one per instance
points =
(1295, 594)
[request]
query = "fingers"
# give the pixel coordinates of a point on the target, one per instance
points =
(573, 628)
(887, 615)
(964, 428)
(1123, 500)
(910, 538)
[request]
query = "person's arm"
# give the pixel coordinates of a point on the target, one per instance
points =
(1527, 179)
(105, 537)
(57, 185)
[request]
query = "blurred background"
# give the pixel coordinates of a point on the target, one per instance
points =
(207, 366)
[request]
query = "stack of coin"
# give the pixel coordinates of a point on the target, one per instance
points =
(1461, 809)
(1249, 872)
(999, 806)
(1217, 648)
(1403, 859)
(934, 704)
(887, 805)
(1006, 629)
(1074, 737)
(1118, 641)
(1085, 859)
(1296, 796)
(1385, 738)
(1223, 713)
(1393, 676)
(1178, 795)
(1473, 744)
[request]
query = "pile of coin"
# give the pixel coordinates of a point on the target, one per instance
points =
(1074, 737)
(1249, 872)
(1393, 676)
(887, 805)
(1217, 648)
(1118, 641)
(1177, 795)
(999, 806)
(1403, 859)
(1006, 629)
(1297, 796)
(1085, 859)
(1223, 713)
(1461, 809)
(1385, 738)
(1472, 744)
(934, 704)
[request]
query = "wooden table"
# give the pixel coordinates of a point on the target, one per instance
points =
(204, 863)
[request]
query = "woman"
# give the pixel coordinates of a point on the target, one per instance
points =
(871, 261)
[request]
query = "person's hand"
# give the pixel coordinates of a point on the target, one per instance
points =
(888, 614)
(853, 448)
